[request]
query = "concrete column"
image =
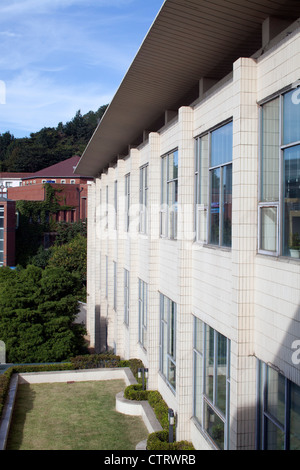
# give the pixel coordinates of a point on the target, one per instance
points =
(184, 330)
(153, 236)
(244, 246)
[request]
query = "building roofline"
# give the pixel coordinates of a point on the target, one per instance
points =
(189, 40)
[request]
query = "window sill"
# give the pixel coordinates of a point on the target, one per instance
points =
(209, 246)
(279, 258)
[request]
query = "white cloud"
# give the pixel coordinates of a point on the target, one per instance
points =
(58, 56)
(38, 103)
(19, 7)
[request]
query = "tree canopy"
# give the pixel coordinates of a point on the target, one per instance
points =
(49, 145)
(37, 312)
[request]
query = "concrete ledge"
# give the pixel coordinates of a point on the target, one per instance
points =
(81, 375)
(138, 408)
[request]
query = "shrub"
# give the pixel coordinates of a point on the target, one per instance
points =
(159, 441)
(135, 392)
(94, 361)
(134, 365)
(160, 408)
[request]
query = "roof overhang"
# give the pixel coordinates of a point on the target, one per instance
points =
(189, 39)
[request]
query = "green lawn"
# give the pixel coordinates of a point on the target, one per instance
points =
(75, 416)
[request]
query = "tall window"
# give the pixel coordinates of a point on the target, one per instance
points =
(1, 235)
(279, 411)
(211, 383)
(279, 206)
(106, 276)
(213, 186)
(168, 314)
(169, 195)
(127, 201)
(115, 285)
(143, 198)
(116, 205)
(143, 311)
(126, 297)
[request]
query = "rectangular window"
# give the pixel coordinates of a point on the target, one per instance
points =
(106, 207)
(169, 195)
(106, 276)
(115, 285)
(279, 198)
(143, 313)
(126, 297)
(116, 205)
(127, 201)
(278, 426)
(213, 187)
(168, 315)
(1, 235)
(201, 187)
(143, 198)
(211, 354)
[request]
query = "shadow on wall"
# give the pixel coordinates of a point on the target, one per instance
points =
(100, 331)
(279, 404)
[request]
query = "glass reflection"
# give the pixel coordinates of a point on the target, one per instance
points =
(291, 236)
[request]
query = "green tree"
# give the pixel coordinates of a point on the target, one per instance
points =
(37, 312)
(71, 257)
(49, 145)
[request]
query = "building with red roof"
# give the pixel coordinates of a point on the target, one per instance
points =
(72, 189)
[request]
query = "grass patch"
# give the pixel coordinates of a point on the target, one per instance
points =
(77, 416)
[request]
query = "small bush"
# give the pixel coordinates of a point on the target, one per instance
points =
(94, 361)
(135, 365)
(135, 392)
(160, 441)
(160, 408)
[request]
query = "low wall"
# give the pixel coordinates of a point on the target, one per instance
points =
(124, 406)
(78, 376)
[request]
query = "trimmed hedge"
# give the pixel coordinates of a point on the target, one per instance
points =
(105, 360)
(157, 440)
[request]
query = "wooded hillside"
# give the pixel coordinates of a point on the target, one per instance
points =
(49, 145)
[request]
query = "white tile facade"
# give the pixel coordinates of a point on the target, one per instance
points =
(250, 298)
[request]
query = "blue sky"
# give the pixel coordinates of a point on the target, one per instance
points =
(59, 56)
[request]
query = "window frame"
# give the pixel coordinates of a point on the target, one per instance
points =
(205, 206)
(127, 201)
(264, 415)
(143, 313)
(201, 399)
(115, 286)
(115, 204)
(143, 199)
(167, 230)
(168, 336)
(126, 296)
(279, 205)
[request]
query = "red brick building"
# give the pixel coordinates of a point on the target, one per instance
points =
(7, 231)
(72, 189)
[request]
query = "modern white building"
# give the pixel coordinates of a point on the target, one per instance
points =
(192, 216)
